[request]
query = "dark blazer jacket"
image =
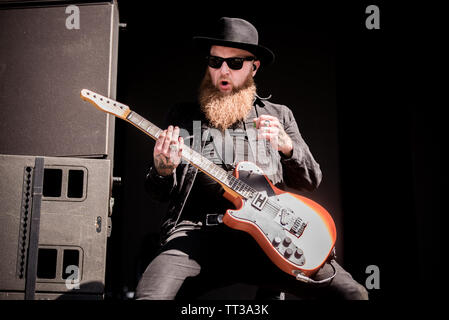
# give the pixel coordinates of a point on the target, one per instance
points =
(300, 171)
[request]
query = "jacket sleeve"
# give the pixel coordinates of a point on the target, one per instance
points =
(300, 171)
(160, 187)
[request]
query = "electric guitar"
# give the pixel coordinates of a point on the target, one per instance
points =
(296, 233)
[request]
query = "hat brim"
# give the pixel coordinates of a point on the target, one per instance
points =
(265, 55)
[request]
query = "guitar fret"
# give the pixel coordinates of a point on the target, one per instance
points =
(213, 170)
(239, 186)
(151, 130)
(234, 182)
(143, 124)
(131, 116)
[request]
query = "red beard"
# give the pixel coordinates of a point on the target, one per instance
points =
(223, 110)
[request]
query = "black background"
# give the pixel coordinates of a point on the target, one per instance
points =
(362, 92)
(366, 103)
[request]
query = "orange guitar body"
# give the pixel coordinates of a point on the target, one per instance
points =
(296, 233)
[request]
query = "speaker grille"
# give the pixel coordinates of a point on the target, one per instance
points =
(24, 221)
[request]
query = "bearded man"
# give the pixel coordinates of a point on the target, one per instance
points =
(229, 124)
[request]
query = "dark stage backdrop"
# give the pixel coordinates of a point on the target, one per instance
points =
(158, 67)
(352, 92)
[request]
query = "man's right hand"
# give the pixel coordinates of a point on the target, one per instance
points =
(167, 151)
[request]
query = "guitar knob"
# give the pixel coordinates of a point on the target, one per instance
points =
(276, 241)
(299, 253)
(288, 252)
(287, 241)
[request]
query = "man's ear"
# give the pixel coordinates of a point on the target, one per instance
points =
(256, 66)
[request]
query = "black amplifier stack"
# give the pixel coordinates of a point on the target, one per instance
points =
(56, 151)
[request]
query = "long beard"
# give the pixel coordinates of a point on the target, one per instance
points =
(223, 110)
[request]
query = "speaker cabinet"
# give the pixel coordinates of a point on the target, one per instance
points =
(48, 53)
(73, 226)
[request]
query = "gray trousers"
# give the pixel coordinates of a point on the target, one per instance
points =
(194, 262)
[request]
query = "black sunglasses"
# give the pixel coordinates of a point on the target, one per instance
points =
(233, 63)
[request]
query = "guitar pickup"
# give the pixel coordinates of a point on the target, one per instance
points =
(259, 201)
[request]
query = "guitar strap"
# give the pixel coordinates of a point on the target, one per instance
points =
(259, 150)
(223, 147)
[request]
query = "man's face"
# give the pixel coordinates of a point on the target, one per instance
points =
(226, 79)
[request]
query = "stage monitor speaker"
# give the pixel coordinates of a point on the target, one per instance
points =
(49, 51)
(72, 230)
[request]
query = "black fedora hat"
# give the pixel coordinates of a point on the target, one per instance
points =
(236, 33)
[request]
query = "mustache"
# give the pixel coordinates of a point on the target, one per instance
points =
(208, 89)
(225, 79)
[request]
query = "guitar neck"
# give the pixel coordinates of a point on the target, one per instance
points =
(226, 179)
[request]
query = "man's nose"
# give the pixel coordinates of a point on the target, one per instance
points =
(224, 69)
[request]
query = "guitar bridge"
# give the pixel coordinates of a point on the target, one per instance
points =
(298, 227)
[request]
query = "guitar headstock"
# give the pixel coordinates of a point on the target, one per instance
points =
(105, 104)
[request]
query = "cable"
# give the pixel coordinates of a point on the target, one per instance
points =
(306, 279)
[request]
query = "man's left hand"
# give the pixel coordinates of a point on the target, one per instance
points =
(270, 129)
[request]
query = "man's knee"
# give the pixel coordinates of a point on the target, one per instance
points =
(357, 292)
(165, 275)
(149, 294)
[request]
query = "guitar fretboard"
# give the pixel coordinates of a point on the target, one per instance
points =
(196, 159)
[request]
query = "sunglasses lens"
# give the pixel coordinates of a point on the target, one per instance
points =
(235, 63)
(215, 62)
